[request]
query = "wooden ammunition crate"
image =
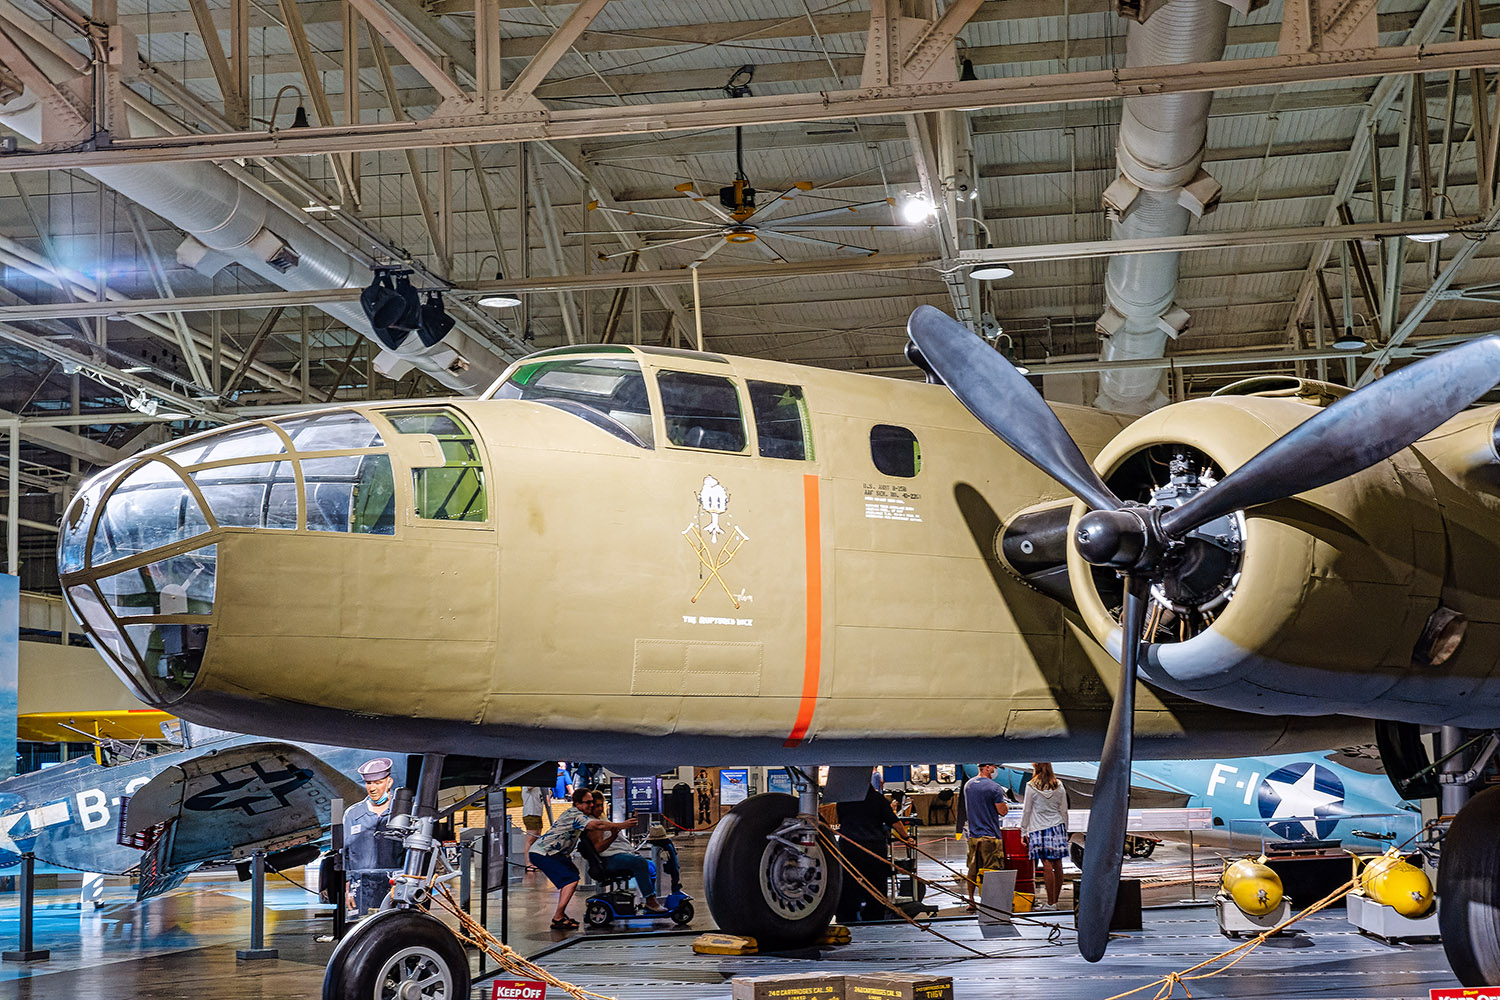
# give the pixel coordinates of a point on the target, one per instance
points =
(804, 986)
(898, 986)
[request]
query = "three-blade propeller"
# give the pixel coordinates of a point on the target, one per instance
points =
(1139, 541)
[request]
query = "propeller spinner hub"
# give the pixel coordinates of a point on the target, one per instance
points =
(1118, 538)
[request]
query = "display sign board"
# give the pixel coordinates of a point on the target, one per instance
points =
(518, 989)
(778, 780)
(645, 795)
(617, 800)
(734, 785)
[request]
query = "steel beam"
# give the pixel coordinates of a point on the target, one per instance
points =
(1430, 298)
(1102, 85)
(380, 21)
(1209, 241)
(557, 46)
(645, 279)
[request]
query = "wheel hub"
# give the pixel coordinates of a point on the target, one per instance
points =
(793, 879)
(415, 974)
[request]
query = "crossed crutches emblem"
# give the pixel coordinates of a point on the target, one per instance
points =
(715, 561)
(714, 500)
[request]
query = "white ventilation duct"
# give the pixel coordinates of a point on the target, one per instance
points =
(1160, 189)
(228, 222)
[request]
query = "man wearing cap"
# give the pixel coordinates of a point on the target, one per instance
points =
(368, 853)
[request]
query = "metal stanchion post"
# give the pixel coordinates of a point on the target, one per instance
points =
(465, 876)
(484, 886)
(505, 885)
(1192, 868)
(338, 889)
(26, 953)
(257, 947)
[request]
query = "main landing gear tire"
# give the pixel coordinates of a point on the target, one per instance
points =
(763, 889)
(1469, 891)
(398, 955)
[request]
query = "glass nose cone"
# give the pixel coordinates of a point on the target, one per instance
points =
(139, 576)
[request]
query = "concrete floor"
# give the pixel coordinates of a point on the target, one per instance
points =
(183, 946)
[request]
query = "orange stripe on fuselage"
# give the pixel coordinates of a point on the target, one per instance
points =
(813, 660)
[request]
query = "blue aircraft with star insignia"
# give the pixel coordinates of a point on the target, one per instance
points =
(219, 798)
(1338, 797)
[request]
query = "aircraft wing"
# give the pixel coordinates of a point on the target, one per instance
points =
(225, 804)
(1147, 791)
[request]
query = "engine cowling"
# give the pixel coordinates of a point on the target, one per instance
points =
(1321, 602)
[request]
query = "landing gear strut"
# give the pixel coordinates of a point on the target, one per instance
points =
(403, 952)
(767, 876)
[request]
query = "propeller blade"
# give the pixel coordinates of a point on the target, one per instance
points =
(1000, 397)
(1110, 808)
(1352, 434)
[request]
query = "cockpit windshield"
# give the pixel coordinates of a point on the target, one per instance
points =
(607, 392)
(138, 556)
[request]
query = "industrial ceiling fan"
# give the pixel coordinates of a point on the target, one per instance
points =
(741, 222)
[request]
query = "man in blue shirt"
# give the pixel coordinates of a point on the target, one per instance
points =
(984, 804)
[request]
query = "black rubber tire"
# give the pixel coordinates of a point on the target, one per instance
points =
(389, 945)
(598, 913)
(1469, 891)
(732, 869)
(683, 914)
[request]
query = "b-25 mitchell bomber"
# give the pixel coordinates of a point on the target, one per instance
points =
(643, 556)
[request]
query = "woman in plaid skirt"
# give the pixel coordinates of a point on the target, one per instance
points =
(1044, 826)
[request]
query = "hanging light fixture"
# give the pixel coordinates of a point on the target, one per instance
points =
(1436, 236)
(917, 208)
(499, 300)
(992, 272)
(1349, 341)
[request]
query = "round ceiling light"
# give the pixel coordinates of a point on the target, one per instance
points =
(992, 272)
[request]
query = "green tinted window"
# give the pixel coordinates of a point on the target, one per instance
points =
(453, 491)
(780, 420)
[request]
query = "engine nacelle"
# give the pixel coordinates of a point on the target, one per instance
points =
(1342, 600)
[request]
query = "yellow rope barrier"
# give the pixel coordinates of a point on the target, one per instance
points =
(507, 957)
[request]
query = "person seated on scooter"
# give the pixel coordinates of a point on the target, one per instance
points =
(551, 850)
(619, 858)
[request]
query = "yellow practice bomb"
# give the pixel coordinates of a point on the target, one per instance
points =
(1390, 880)
(1254, 887)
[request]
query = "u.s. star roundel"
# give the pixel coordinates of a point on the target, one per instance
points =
(1302, 801)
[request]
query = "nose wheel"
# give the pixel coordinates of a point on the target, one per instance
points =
(398, 955)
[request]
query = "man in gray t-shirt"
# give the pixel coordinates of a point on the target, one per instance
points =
(984, 804)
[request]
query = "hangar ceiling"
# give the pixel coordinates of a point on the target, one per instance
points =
(573, 154)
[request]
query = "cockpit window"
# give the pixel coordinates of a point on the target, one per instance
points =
(353, 493)
(608, 392)
(255, 495)
(332, 432)
(701, 411)
(780, 420)
(453, 491)
(150, 509)
(247, 443)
